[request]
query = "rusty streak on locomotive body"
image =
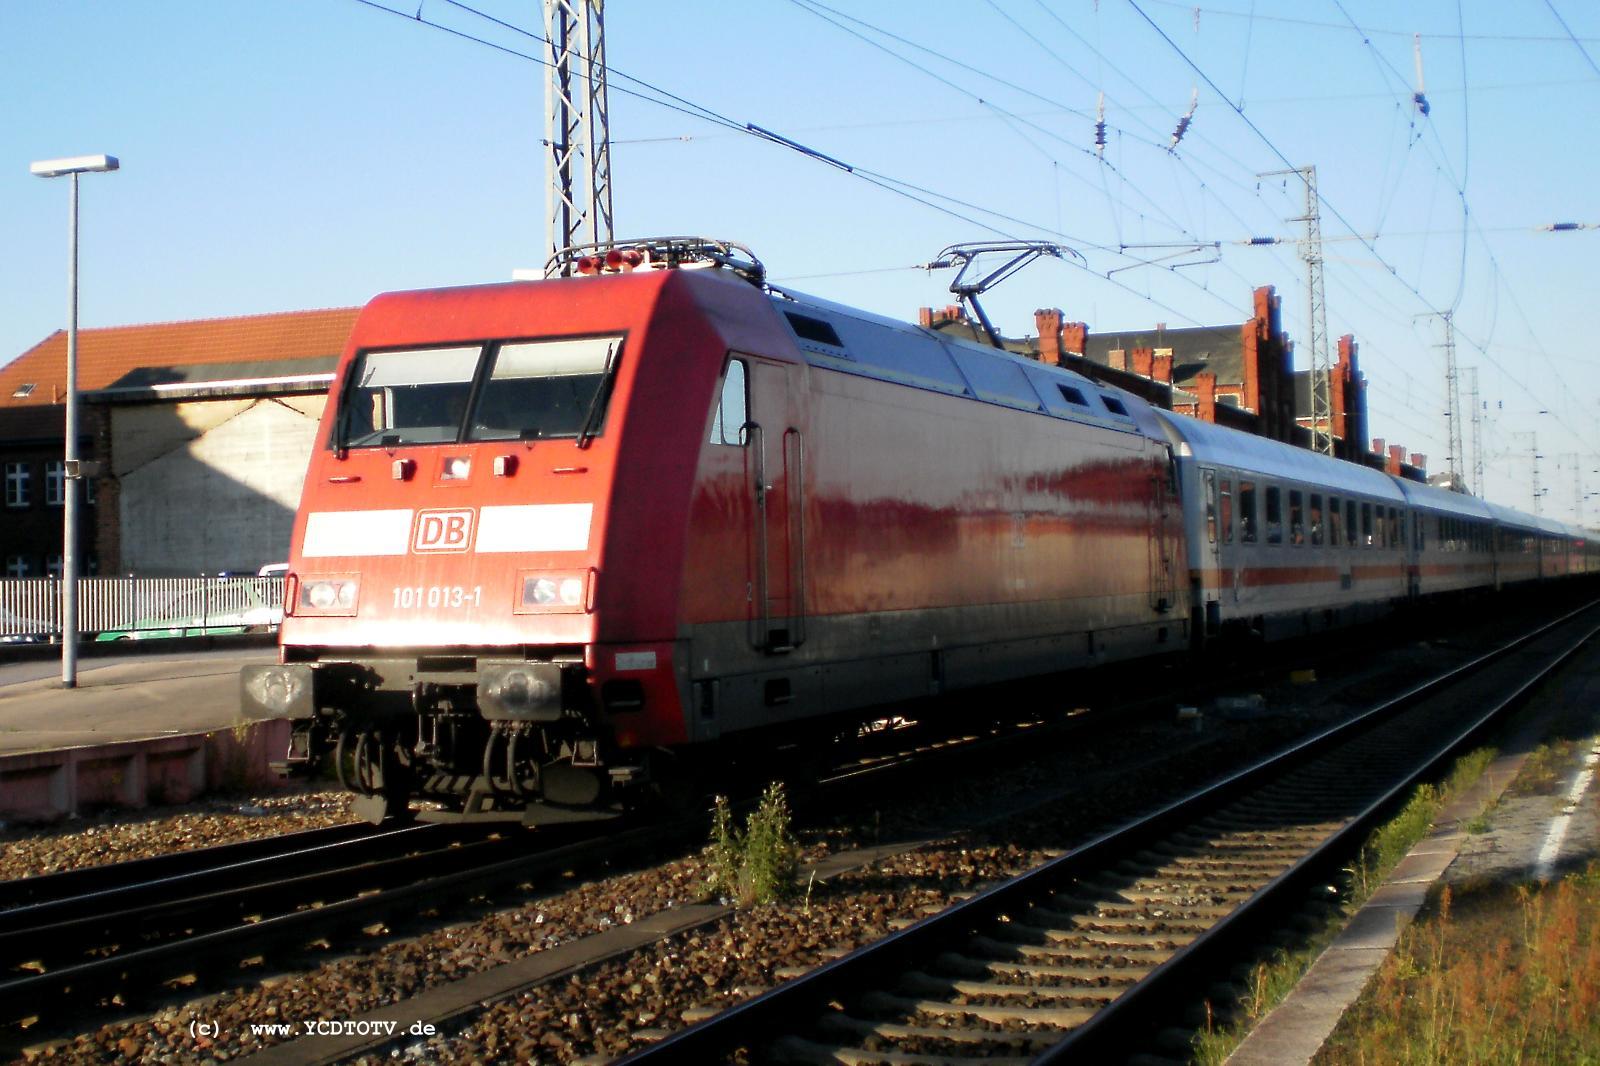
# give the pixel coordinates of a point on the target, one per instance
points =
(558, 536)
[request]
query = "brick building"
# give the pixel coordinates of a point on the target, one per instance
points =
(200, 430)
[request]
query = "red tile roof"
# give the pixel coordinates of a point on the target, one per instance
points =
(106, 355)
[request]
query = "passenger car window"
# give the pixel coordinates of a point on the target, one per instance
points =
(1335, 522)
(1247, 512)
(1350, 523)
(1366, 525)
(1316, 518)
(727, 421)
(1225, 494)
(1297, 521)
(1209, 490)
(1274, 515)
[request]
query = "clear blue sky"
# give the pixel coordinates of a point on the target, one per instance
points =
(311, 153)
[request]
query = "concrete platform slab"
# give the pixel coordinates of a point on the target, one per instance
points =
(137, 730)
(124, 699)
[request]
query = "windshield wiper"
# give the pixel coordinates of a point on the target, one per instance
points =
(586, 432)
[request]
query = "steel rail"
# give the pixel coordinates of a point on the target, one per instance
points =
(757, 1020)
(78, 990)
(1113, 1026)
(62, 934)
(84, 880)
(161, 886)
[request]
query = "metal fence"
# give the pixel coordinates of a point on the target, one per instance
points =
(31, 606)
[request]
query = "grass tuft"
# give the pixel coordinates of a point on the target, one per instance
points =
(759, 864)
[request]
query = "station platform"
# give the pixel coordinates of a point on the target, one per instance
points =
(1491, 832)
(138, 729)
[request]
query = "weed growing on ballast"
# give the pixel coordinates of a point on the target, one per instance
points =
(761, 863)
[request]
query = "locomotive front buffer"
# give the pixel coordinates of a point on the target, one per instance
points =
(477, 738)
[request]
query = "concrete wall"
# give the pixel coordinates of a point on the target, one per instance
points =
(210, 485)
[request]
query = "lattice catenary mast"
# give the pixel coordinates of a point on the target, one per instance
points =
(1317, 315)
(577, 132)
(1452, 399)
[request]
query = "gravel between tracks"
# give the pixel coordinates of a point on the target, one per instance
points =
(117, 836)
(709, 967)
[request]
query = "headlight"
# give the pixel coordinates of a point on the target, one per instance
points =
(328, 595)
(553, 592)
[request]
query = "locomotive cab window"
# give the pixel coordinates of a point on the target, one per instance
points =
(727, 421)
(528, 390)
(546, 388)
(417, 396)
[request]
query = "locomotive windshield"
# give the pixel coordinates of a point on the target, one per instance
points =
(512, 390)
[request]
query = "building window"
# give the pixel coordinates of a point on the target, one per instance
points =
(52, 565)
(16, 566)
(16, 484)
(55, 483)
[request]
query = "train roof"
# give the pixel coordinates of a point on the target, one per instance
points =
(1217, 445)
(858, 342)
(1509, 516)
(1433, 498)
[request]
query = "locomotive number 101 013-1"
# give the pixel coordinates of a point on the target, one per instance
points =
(410, 597)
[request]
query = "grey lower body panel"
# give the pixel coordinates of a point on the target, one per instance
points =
(852, 662)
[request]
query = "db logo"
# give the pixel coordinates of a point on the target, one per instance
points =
(443, 531)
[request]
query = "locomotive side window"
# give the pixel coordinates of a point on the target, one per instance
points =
(1335, 522)
(546, 388)
(1274, 515)
(727, 421)
(407, 397)
(1226, 496)
(1247, 512)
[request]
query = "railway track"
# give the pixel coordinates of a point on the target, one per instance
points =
(1078, 959)
(137, 928)
(88, 880)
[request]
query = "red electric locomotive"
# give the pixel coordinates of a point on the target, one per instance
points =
(560, 537)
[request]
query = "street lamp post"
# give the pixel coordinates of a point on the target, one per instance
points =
(56, 168)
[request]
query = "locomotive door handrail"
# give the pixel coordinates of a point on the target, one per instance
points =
(756, 444)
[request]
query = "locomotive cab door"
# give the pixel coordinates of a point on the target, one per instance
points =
(775, 478)
(1163, 518)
